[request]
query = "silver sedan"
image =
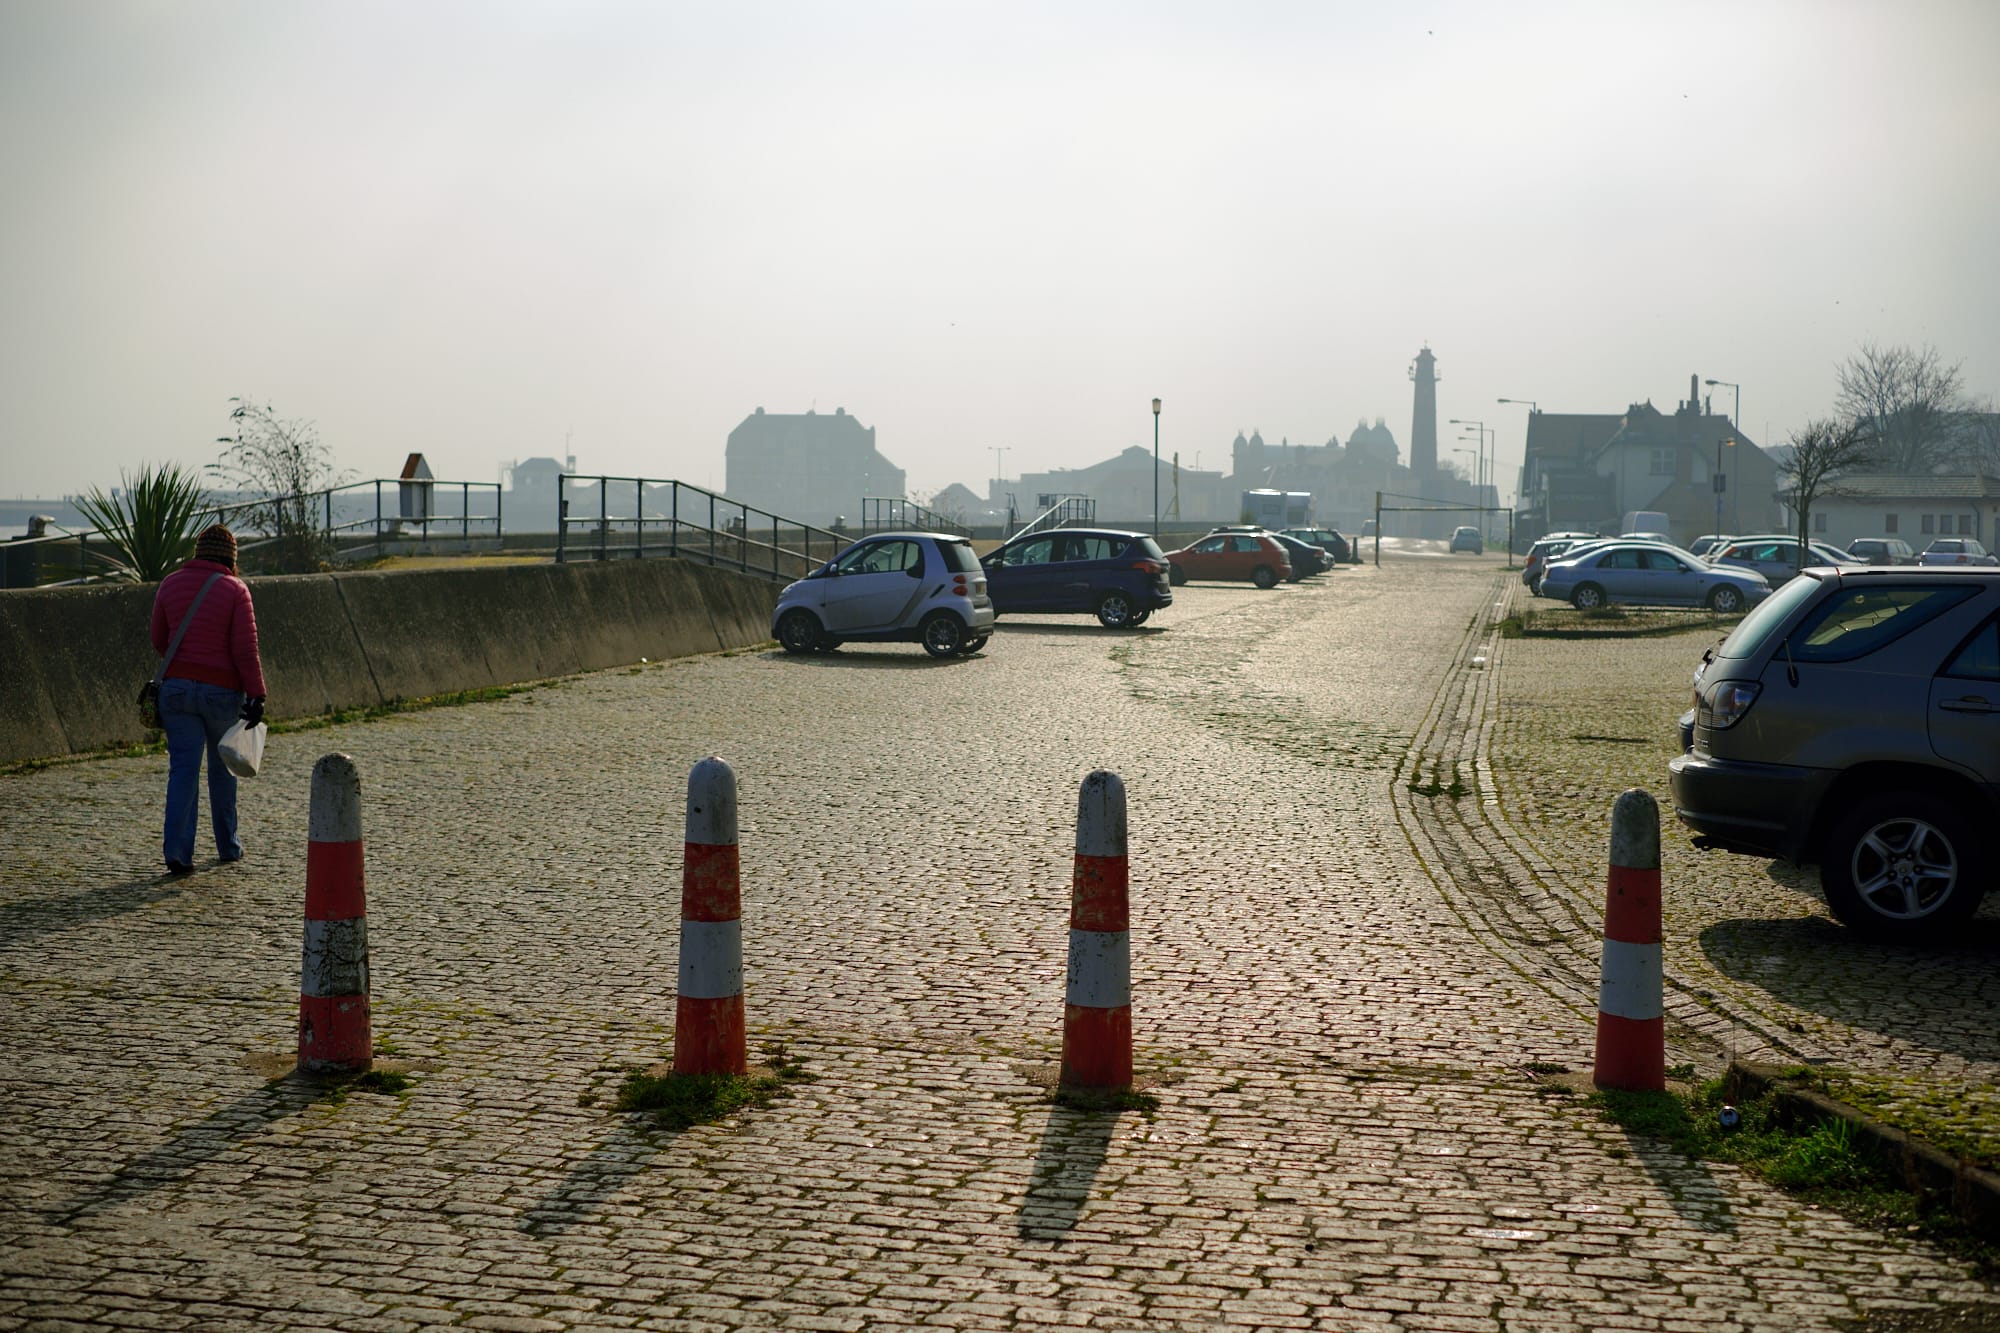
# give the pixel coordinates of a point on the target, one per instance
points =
(1645, 573)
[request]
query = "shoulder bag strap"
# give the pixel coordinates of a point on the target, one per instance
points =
(174, 645)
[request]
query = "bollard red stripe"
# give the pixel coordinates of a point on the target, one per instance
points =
(1631, 1053)
(709, 1036)
(711, 882)
(334, 1033)
(334, 888)
(1632, 905)
(1100, 897)
(1097, 1047)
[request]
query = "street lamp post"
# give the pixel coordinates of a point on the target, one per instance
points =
(1533, 408)
(1156, 469)
(1481, 471)
(1735, 415)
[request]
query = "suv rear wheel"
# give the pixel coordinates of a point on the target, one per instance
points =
(1114, 610)
(1902, 865)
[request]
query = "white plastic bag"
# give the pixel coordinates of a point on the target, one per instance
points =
(242, 749)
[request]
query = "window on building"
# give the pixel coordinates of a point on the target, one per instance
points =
(1928, 522)
(1965, 525)
(1819, 522)
(1663, 462)
(1888, 522)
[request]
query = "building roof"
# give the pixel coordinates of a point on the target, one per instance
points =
(1895, 486)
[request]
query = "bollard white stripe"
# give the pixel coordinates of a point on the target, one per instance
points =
(711, 803)
(1100, 815)
(1631, 983)
(336, 958)
(1100, 969)
(711, 959)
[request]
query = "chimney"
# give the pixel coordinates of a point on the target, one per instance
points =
(1694, 392)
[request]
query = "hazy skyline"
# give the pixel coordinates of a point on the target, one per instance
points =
(475, 229)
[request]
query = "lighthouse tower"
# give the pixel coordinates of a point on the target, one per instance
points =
(1424, 419)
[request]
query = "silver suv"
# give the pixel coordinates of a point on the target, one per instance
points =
(912, 587)
(1853, 720)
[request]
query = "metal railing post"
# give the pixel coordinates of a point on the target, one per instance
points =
(603, 517)
(711, 527)
(562, 516)
(378, 517)
(674, 522)
(638, 518)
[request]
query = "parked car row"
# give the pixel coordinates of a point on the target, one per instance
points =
(1590, 575)
(1852, 721)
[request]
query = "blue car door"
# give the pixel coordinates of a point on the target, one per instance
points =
(1083, 572)
(1021, 576)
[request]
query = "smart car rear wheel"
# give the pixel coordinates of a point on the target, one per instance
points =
(1114, 610)
(1902, 865)
(974, 644)
(799, 632)
(1264, 576)
(1725, 601)
(1587, 597)
(943, 634)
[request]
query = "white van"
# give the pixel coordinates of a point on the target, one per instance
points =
(1644, 523)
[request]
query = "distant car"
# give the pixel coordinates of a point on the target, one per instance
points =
(1121, 577)
(1707, 542)
(1850, 722)
(1231, 557)
(1652, 574)
(1957, 551)
(1326, 539)
(1368, 527)
(1777, 558)
(1467, 539)
(1307, 559)
(916, 587)
(1882, 551)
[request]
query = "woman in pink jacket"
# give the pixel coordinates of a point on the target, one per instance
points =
(214, 679)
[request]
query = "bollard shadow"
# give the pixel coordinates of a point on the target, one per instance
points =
(1075, 1143)
(577, 1197)
(178, 1158)
(31, 919)
(1943, 994)
(1689, 1186)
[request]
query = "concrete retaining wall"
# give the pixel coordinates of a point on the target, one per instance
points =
(72, 659)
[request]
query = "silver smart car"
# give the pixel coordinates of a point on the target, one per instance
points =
(892, 587)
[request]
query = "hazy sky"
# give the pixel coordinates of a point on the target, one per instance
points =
(477, 228)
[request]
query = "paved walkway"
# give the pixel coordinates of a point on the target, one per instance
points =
(1347, 1137)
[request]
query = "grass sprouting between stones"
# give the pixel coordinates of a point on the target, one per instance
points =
(681, 1101)
(1824, 1162)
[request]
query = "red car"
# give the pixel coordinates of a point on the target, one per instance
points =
(1232, 556)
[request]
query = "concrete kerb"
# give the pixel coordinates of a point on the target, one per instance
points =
(1973, 1192)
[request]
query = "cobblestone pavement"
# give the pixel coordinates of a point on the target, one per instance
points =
(1337, 1002)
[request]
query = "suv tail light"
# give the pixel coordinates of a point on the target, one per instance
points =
(1724, 703)
(1149, 566)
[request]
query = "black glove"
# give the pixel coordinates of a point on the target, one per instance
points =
(253, 710)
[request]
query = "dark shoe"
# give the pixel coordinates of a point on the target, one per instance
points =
(179, 868)
(225, 860)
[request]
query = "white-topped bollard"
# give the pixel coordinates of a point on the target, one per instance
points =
(708, 1011)
(1097, 1007)
(335, 1034)
(1631, 1021)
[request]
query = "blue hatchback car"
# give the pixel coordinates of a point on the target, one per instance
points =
(1121, 577)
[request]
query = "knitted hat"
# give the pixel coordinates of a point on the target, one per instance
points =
(216, 543)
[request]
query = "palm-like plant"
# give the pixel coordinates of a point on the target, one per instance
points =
(150, 523)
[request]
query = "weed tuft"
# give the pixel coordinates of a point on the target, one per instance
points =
(682, 1101)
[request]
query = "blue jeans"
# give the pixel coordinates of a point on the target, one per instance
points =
(195, 715)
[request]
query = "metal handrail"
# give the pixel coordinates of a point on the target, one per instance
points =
(1066, 510)
(386, 526)
(880, 513)
(689, 522)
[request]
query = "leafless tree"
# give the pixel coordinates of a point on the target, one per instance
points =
(1821, 451)
(1910, 404)
(285, 469)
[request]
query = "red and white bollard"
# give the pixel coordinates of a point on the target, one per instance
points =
(1097, 1009)
(1631, 1027)
(334, 1031)
(708, 1013)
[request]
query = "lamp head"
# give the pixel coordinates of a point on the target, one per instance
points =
(1156, 407)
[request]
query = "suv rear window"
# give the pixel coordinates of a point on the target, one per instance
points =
(1857, 621)
(959, 556)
